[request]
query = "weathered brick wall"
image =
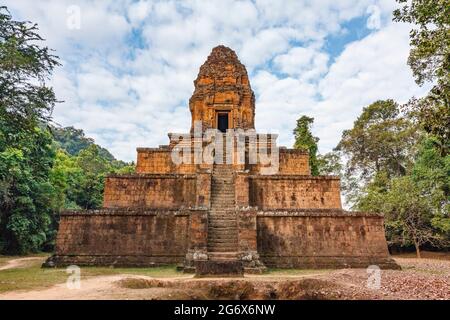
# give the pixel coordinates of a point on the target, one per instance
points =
(322, 239)
(241, 189)
(152, 160)
(294, 162)
(247, 233)
(150, 191)
(122, 237)
(294, 192)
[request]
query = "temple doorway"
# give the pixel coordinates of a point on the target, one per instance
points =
(222, 121)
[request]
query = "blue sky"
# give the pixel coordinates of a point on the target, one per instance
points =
(128, 66)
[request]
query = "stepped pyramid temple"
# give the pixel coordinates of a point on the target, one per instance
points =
(222, 198)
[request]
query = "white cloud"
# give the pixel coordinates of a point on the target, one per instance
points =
(128, 71)
(308, 62)
(374, 20)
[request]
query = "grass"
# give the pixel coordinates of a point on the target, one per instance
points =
(32, 276)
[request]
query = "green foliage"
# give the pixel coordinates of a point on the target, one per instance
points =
(429, 59)
(395, 168)
(381, 140)
(74, 140)
(38, 179)
(24, 67)
(330, 164)
(409, 211)
(26, 194)
(26, 152)
(306, 141)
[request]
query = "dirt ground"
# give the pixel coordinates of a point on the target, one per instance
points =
(17, 263)
(426, 278)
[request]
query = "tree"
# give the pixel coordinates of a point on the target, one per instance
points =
(408, 212)
(26, 151)
(431, 174)
(305, 140)
(381, 140)
(25, 66)
(26, 194)
(74, 140)
(330, 164)
(429, 59)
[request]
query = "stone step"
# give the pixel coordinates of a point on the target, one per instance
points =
(227, 226)
(223, 243)
(223, 217)
(222, 229)
(223, 205)
(219, 192)
(229, 212)
(219, 222)
(223, 198)
(222, 187)
(221, 249)
(222, 246)
(224, 232)
(222, 255)
(223, 239)
(222, 224)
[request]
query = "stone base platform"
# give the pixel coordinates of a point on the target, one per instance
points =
(111, 261)
(328, 262)
(222, 268)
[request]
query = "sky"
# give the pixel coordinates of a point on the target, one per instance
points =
(128, 66)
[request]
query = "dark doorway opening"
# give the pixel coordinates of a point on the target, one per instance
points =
(222, 122)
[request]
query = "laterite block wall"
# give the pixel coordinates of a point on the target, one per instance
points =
(122, 237)
(294, 192)
(322, 239)
(150, 191)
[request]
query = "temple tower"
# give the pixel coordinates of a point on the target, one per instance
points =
(223, 98)
(222, 217)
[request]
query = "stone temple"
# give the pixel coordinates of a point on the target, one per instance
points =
(227, 214)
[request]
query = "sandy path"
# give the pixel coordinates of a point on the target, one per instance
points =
(420, 279)
(109, 287)
(95, 288)
(17, 263)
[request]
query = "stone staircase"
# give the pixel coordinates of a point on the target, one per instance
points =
(222, 222)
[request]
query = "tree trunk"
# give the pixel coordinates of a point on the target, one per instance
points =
(416, 244)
